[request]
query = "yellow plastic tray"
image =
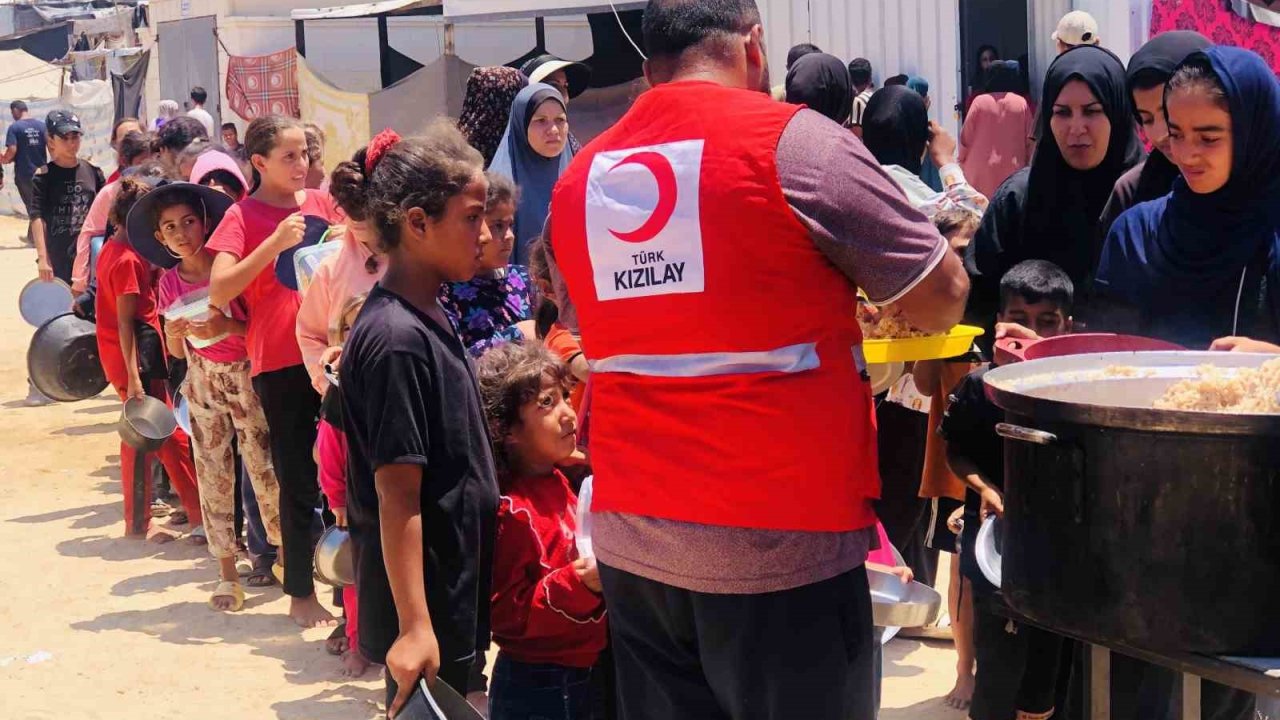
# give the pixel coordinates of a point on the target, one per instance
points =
(933, 347)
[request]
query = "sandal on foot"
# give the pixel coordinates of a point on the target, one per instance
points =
(260, 576)
(160, 508)
(228, 589)
(198, 536)
(336, 643)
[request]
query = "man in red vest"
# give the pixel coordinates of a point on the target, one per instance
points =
(713, 242)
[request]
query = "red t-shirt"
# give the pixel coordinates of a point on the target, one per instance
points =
(273, 308)
(121, 271)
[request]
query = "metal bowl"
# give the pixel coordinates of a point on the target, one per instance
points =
(333, 562)
(987, 548)
(41, 301)
(146, 423)
(898, 604)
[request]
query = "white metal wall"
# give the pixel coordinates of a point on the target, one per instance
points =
(916, 37)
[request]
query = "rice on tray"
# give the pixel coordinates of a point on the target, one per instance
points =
(1247, 390)
(887, 323)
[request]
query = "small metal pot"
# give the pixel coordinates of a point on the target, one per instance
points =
(146, 423)
(334, 564)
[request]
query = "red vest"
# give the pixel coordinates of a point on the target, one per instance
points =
(727, 373)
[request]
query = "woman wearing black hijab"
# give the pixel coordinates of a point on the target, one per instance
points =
(1149, 69)
(1050, 210)
(897, 131)
(821, 82)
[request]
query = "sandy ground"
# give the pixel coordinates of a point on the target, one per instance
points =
(97, 626)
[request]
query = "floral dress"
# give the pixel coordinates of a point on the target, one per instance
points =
(485, 310)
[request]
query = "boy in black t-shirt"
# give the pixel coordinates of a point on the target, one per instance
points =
(1017, 665)
(62, 192)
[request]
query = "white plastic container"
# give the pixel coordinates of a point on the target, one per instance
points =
(583, 537)
(307, 260)
(193, 306)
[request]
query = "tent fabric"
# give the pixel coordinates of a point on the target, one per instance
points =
(343, 115)
(27, 77)
(465, 9)
(127, 88)
(47, 43)
(92, 101)
(361, 9)
(263, 84)
(412, 104)
(1254, 10)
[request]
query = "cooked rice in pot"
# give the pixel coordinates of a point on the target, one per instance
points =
(1247, 390)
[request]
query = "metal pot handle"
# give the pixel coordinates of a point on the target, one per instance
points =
(1023, 434)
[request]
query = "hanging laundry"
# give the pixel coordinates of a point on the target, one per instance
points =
(263, 84)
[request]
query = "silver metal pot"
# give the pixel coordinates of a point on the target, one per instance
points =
(898, 604)
(334, 564)
(1152, 528)
(146, 423)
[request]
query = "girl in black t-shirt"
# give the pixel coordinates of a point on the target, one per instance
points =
(422, 494)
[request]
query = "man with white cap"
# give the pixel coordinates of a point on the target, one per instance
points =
(1076, 28)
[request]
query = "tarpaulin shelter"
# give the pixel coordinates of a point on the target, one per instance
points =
(41, 85)
(459, 10)
(349, 119)
(393, 65)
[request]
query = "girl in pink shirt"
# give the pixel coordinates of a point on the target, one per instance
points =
(331, 456)
(353, 271)
(276, 216)
(169, 227)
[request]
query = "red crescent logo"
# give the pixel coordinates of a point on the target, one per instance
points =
(668, 191)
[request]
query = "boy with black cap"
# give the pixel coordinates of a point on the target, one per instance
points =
(61, 193)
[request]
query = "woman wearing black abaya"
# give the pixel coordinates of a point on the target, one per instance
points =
(1050, 210)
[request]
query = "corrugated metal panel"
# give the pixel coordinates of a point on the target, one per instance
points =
(916, 37)
(1122, 25)
(1042, 20)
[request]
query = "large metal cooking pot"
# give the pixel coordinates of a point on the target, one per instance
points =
(62, 360)
(1150, 527)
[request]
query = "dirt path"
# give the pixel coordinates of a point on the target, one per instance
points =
(97, 626)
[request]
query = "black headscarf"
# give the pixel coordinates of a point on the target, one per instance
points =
(1192, 262)
(1003, 76)
(1155, 63)
(821, 81)
(1050, 211)
(895, 127)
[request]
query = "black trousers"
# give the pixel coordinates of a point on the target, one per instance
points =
(26, 191)
(292, 408)
(800, 653)
(1018, 665)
